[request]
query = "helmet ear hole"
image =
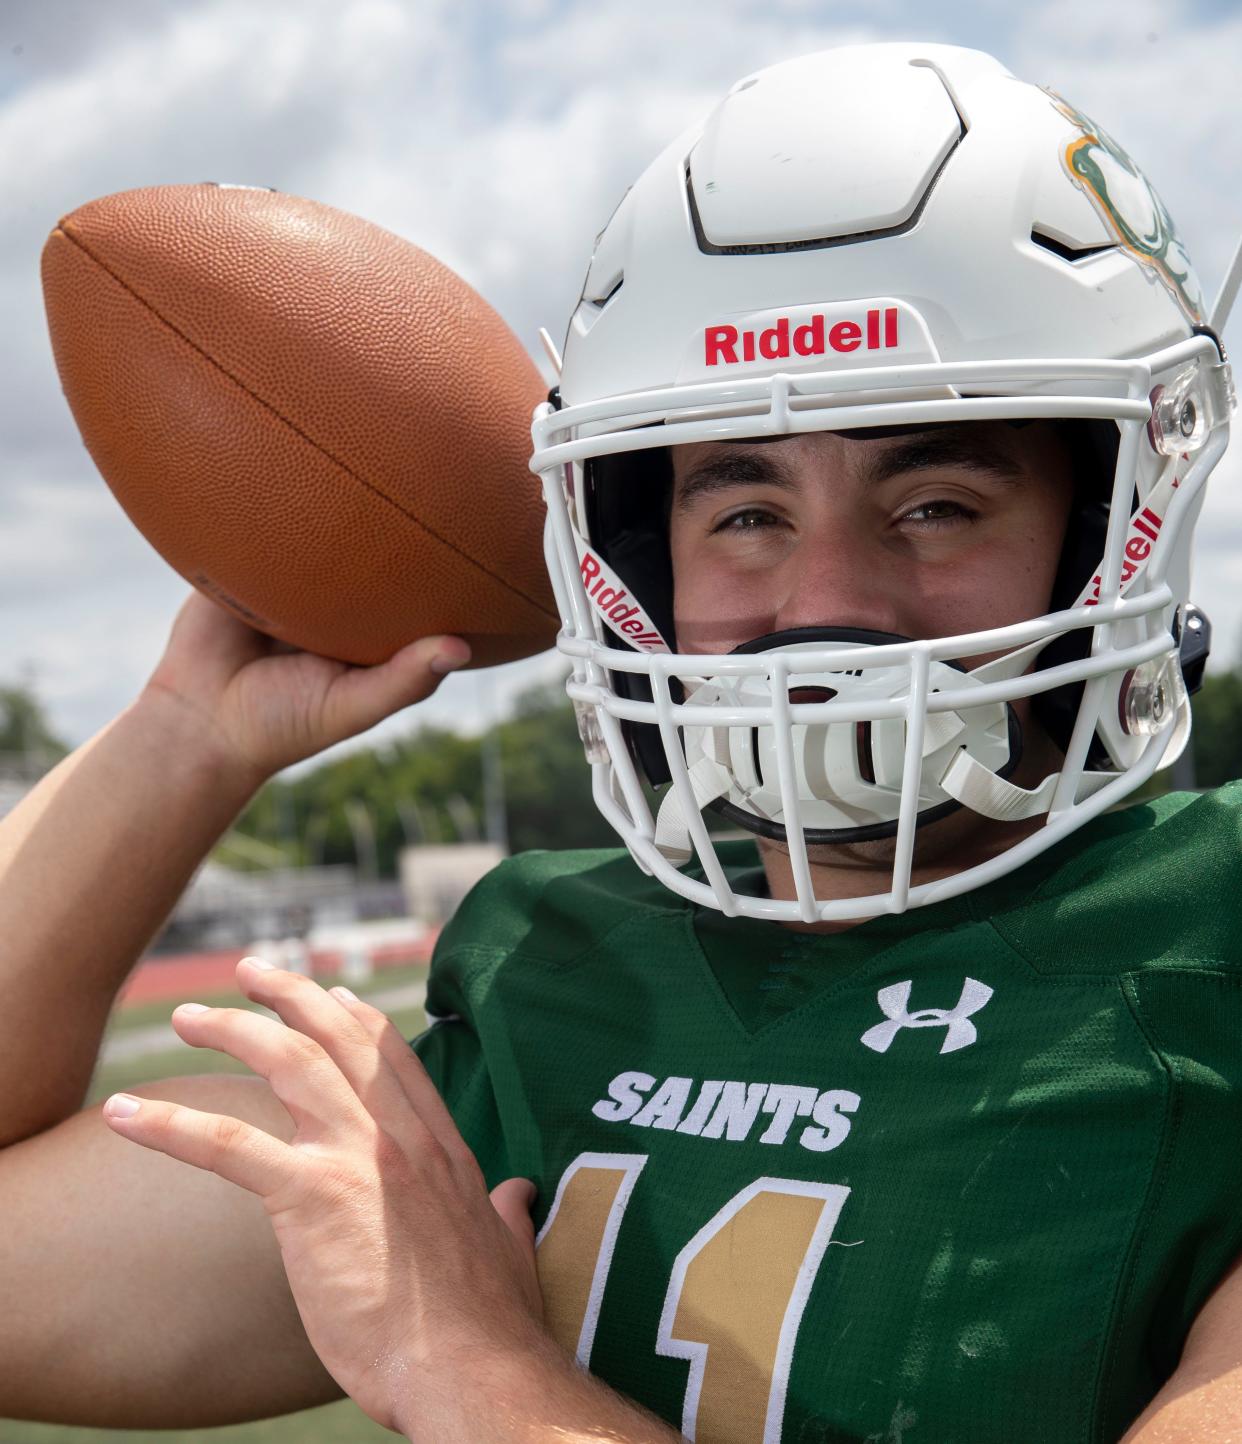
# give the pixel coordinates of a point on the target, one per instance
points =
(1092, 447)
(1093, 456)
(626, 502)
(627, 499)
(643, 738)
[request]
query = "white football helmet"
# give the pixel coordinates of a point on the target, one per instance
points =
(879, 236)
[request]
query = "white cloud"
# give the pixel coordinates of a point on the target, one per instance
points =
(499, 138)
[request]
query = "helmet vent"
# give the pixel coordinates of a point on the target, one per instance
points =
(590, 310)
(1067, 252)
(613, 287)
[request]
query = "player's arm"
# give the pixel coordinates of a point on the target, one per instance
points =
(142, 1294)
(92, 861)
(1202, 1401)
(529, 1401)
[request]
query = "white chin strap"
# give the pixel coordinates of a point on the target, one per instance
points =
(848, 775)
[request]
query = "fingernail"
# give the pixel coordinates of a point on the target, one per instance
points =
(344, 993)
(260, 963)
(121, 1105)
(448, 659)
(191, 1008)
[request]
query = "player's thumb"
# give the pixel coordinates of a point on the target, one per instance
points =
(512, 1200)
(364, 696)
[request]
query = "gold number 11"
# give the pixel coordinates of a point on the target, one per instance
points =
(735, 1299)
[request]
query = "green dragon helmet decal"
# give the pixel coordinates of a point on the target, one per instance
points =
(1128, 205)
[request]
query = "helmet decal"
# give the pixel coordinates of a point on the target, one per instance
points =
(1128, 205)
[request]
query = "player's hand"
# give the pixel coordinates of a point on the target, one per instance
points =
(404, 1270)
(265, 705)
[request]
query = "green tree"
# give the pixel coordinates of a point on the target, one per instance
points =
(1217, 731)
(547, 781)
(428, 787)
(24, 728)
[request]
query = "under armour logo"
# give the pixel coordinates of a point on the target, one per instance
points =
(960, 1031)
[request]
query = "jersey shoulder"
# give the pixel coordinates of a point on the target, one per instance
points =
(1149, 886)
(545, 908)
(552, 904)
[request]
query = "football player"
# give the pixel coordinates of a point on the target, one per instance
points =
(906, 1105)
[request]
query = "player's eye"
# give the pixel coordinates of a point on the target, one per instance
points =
(940, 512)
(747, 521)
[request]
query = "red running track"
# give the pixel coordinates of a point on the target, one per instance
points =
(186, 976)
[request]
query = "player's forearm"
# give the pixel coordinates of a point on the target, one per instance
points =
(538, 1398)
(91, 863)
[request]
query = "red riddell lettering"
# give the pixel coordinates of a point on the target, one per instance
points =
(727, 346)
(1144, 522)
(612, 602)
(1136, 551)
(721, 342)
(808, 340)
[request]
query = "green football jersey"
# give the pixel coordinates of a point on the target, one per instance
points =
(964, 1176)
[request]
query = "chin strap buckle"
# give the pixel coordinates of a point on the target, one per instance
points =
(1194, 642)
(708, 781)
(977, 787)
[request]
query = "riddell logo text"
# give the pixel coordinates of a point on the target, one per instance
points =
(726, 345)
(1144, 531)
(611, 601)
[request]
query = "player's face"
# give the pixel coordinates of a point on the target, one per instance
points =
(925, 534)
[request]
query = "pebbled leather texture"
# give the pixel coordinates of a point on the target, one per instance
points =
(311, 419)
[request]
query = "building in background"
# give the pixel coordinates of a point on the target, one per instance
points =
(434, 879)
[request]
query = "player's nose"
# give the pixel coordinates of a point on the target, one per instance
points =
(834, 577)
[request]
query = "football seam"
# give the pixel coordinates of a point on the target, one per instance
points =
(297, 430)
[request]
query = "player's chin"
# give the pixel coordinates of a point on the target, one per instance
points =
(961, 836)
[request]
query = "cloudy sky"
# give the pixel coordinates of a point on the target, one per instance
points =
(497, 134)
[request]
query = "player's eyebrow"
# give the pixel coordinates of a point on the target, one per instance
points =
(736, 468)
(951, 446)
(926, 450)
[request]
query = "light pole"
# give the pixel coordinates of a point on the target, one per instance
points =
(494, 811)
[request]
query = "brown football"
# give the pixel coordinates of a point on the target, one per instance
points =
(315, 422)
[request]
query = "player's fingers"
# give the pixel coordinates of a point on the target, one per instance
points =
(207, 634)
(362, 696)
(302, 1075)
(512, 1200)
(421, 1093)
(236, 1151)
(351, 1042)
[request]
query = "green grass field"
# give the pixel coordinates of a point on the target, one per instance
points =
(340, 1423)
